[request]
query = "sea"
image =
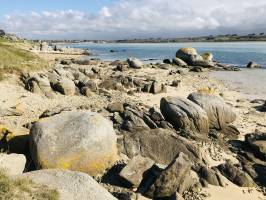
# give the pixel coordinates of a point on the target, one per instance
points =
(235, 53)
(251, 83)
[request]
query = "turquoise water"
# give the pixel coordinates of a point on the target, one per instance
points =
(236, 53)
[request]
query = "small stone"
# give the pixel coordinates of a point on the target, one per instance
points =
(116, 107)
(176, 83)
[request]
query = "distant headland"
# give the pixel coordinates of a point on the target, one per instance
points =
(210, 38)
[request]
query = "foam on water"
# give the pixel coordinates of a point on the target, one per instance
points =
(250, 82)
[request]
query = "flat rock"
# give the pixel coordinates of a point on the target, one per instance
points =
(77, 140)
(14, 164)
(70, 185)
(133, 172)
(160, 145)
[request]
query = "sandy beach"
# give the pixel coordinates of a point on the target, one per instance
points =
(31, 106)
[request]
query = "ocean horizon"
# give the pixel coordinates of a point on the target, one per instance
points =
(233, 53)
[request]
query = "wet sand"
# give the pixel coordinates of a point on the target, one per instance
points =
(250, 82)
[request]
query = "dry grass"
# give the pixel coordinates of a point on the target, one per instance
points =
(14, 59)
(24, 189)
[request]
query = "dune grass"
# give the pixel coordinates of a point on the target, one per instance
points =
(14, 59)
(24, 189)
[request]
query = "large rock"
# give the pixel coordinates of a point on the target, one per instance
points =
(13, 164)
(184, 114)
(160, 145)
(252, 65)
(236, 175)
(70, 185)
(219, 113)
(188, 54)
(135, 63)
(65, 86)
(171, 179)
(80, 141)
(191, 57)
(134, 171)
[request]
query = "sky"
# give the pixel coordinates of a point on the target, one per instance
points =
(122, 19)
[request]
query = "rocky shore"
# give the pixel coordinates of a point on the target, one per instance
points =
(93, 129)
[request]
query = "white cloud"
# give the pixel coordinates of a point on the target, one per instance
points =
(143, 18)
(105, 12)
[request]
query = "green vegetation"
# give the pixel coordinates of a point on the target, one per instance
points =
(24, 189)
(14, 59)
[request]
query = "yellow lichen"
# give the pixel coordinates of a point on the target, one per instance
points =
(207, 90)
(81, 162)
(6, 133)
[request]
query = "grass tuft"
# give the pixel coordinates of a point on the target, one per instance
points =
(24, 189)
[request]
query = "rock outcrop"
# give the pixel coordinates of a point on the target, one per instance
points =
(185, 115)
(77, 140)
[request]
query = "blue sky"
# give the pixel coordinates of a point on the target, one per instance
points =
(9, 6)
(120, 19)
